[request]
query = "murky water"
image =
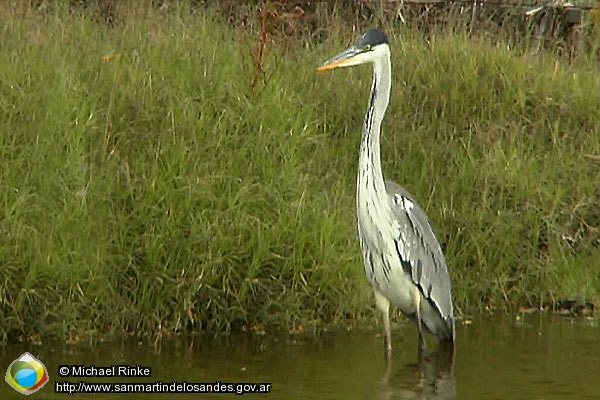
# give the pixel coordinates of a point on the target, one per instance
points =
(536, 357)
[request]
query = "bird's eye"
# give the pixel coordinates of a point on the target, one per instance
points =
(368, 47)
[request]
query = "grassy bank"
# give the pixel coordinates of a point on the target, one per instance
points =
(144, 187)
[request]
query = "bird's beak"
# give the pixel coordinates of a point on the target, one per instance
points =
(344, 59)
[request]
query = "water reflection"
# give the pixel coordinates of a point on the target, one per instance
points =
(433, 377)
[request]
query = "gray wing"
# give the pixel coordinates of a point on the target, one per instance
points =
(420, 252)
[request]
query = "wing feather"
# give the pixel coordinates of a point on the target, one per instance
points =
(420, 252)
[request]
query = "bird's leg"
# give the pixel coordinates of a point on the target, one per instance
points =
(388, 339)
(422, 344)
(417, 303)
(384, 305)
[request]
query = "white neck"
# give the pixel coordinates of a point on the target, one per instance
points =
(370, 178)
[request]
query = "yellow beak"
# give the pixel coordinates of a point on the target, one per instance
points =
(341, 60)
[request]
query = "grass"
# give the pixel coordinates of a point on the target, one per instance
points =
(147, 189)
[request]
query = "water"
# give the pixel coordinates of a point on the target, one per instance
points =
(535, 357)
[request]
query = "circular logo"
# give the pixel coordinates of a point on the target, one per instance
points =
(27, 374)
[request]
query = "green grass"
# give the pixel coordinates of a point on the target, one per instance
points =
(152, 192)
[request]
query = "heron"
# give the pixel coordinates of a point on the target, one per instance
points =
(403, 259)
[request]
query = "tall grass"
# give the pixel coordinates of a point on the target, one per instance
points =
(146, 188)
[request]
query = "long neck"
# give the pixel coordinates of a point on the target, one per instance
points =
(370, 177)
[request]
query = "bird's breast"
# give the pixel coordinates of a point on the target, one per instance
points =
(374, 214)
(377, 230)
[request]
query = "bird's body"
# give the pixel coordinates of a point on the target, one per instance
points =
(403, 259)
